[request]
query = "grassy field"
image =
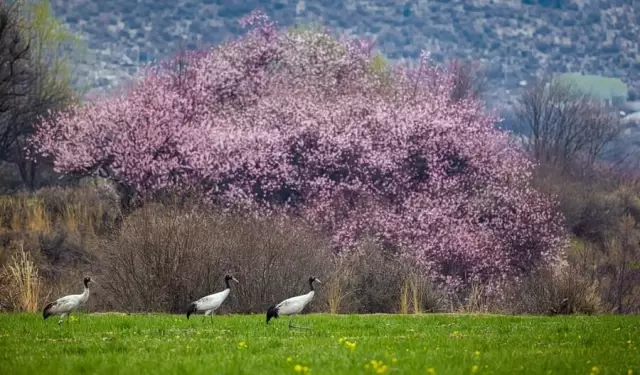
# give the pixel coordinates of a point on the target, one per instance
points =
(342, 344)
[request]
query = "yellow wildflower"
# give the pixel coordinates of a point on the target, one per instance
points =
(289, 359)
(350, 345)
(377, 366)
(242, 345)
(630, 372)
(476, 354)
(474, 369)
(431, 371)
(595, 370)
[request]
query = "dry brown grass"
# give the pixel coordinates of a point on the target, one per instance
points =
(82, 211)
(24, 214)
(477, 300)
(55, 227)
(414, 289)
(22, 286)
(404, 297)
(336, 292)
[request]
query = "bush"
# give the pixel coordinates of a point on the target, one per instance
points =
(556, 290)
(602, 208)
(164, 257)
(371, 280)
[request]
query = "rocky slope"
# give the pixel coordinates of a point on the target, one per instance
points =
(515, 39)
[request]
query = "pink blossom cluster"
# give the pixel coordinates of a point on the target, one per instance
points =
(300, 123)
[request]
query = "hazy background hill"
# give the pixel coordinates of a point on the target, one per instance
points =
(515, 39)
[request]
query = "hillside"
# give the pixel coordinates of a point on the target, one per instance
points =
(515, 40)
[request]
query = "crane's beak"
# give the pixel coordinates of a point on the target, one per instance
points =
(236, 280)
(318, 281)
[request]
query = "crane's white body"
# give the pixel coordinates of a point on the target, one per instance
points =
(294, 305)
(66, 305)
(210, 303)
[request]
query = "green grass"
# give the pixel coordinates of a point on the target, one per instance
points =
(407, 344)
(602, 88)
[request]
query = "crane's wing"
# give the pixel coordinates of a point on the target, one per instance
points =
(65, 303)
(212, 301)
(289, 305)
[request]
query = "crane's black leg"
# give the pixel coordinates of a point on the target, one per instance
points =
(210, 313)
(292, 326)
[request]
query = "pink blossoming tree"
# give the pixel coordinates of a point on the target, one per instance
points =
(305, 124)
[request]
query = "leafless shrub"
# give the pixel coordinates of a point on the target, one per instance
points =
(165, 257)
(274, 259)
(560, 290)
(371, 280)
(619, 272)
(601, 213)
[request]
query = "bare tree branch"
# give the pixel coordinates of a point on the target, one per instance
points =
(563, 125)
(470, 82)
(15, 73)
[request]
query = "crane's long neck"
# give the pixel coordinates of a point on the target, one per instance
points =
(226, 283)
(86, 292)
(311, 285)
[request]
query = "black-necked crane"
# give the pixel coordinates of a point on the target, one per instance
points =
(67, 304)
(210, 303)
(292, 306)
